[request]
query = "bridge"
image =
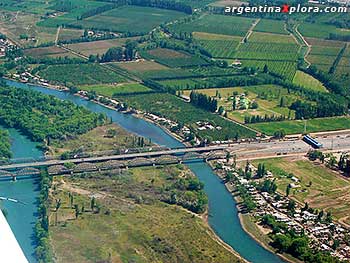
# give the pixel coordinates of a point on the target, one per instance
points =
(126, 160)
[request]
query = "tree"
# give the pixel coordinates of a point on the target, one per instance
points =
(113, 54)
(76, 208)
(288, 190)
(92, 203)
(279, 134)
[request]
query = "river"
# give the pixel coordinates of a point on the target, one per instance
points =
(223, 215)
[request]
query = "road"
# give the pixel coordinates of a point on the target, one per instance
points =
(113, 157)
(253, 150)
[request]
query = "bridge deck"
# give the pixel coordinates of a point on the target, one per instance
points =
(10, 251)
(112, 157)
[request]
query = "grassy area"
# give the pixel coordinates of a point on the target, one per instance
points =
(308, 81)
(53, 51)
(80, 74)
(97, 140)
(320, 30)
(121, 89)
(132, 224)
(328, 190)
(267, 96)
(297, 126)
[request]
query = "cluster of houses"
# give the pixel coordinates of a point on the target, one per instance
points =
(204, 125)
(5, 44)
(323, 234)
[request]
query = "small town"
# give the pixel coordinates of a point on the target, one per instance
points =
(266, 205)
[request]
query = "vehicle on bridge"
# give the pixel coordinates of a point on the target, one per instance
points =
(312, 141)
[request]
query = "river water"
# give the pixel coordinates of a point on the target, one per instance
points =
(223, 215)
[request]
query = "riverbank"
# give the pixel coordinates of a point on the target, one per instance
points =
(248, 224)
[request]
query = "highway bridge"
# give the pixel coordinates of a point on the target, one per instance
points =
(166, 156)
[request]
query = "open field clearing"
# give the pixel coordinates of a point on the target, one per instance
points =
(308, 81)
(132, 224)
(80, 74)
(216, 24)
(174, 108)
(271, 38)
(286, 69)
(68, 34)
(53, 51)
(212, 36)
(323, 31)
(297, 126)
(97, 47)
(120, 89)
(142, 66)
(329, 191)
(173, 58)
(324, 42)
(24, 24)
(134, 19)
(268, 98)
(271, 26)
(78, 8)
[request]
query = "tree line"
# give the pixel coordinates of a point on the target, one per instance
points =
(203, 101)
(5, 146)
(266, 118)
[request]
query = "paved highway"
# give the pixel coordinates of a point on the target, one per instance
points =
(253, 150)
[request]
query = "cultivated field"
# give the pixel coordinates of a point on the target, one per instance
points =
(216, 24)
(97, 47)
(80, 74)
(318, 30)
(53, 51)
(133, 19)
(271, 38)
(173, 58)
(271, 26)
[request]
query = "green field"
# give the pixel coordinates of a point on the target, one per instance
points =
(271, 26)
(172, 58)
(267, 96)
(121, 89)
(80, 74)
(135, 19)
(320, 30)
(79, 7)
(329, 190)
(308, 82)
(216, 24)
(271, 38)
(176, 109)
(297, 126)
(268, 51)
(130, 223)
(286, 69)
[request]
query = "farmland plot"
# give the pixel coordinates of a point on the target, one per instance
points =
(271, 26)
(216, 24)
(80, 74)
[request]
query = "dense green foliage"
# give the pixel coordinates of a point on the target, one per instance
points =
(5, 145)
(43, 117)
(43, 251)
(176, 109)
